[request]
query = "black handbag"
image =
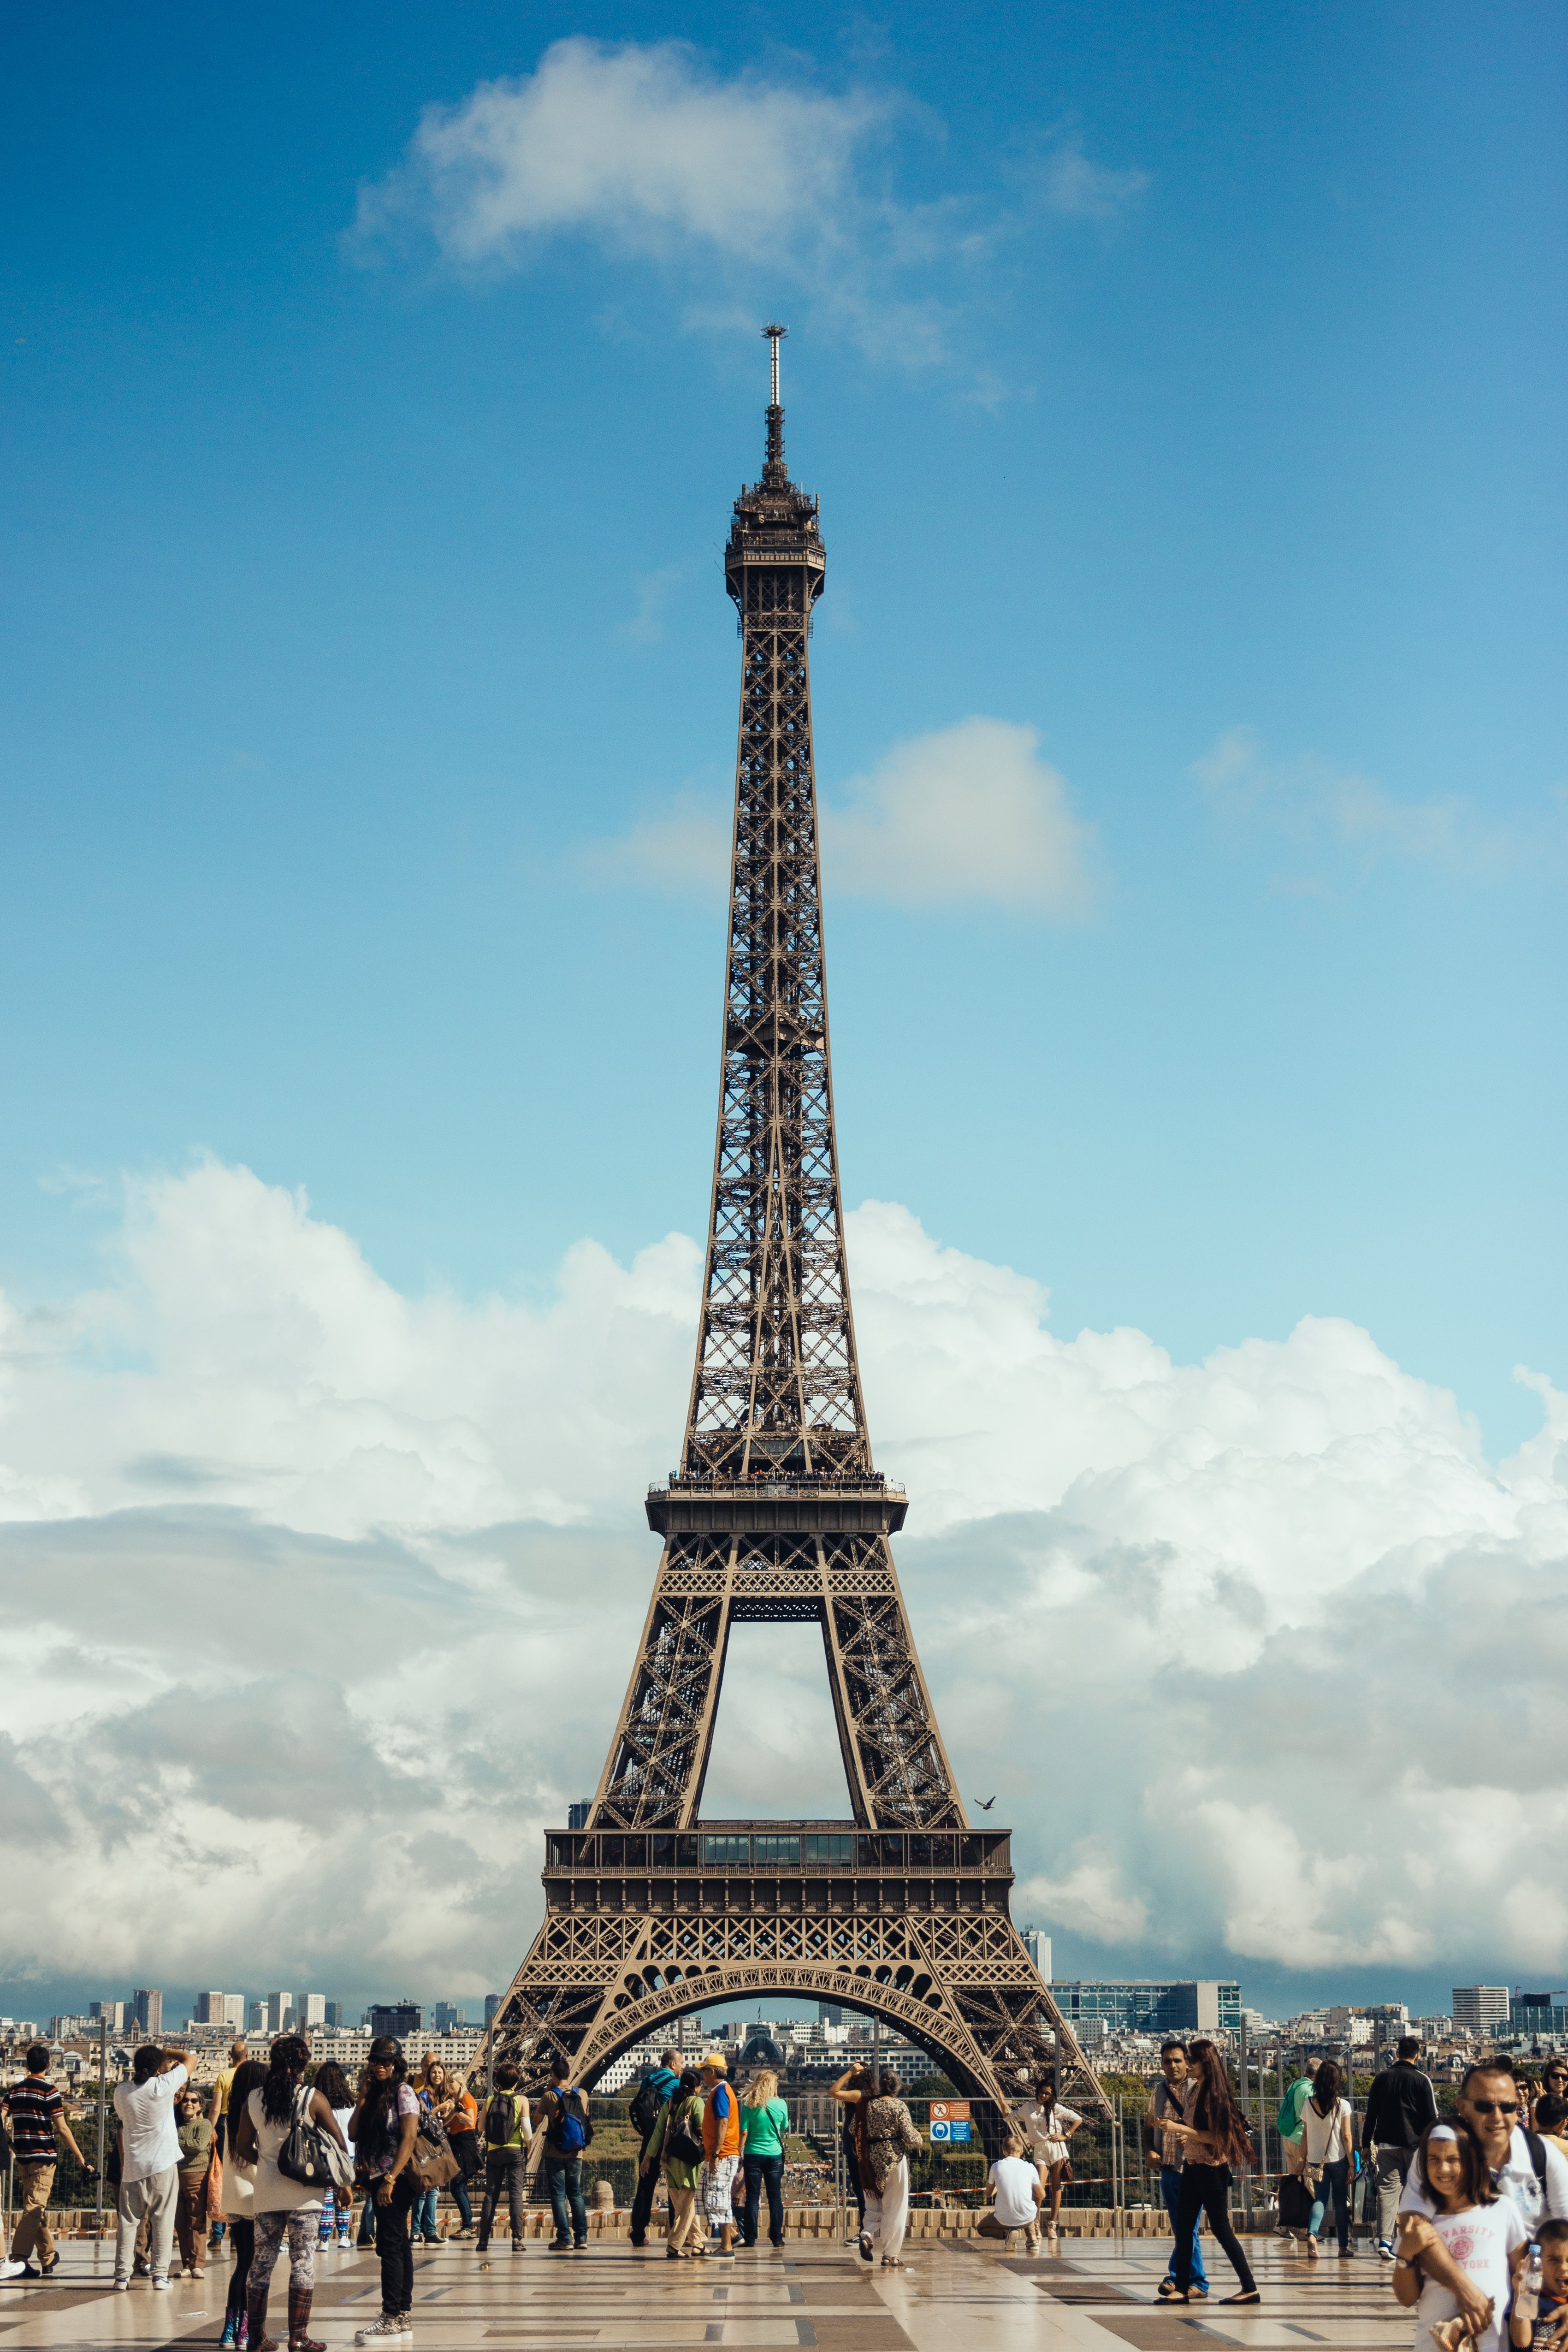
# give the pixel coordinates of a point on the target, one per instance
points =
(309, 2155)
(1295, 2203)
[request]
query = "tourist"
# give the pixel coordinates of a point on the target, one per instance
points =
(1473, 2230)
(1213, 2139)
(1555, 2080)
(508, 2131)
(430, 2088)
(1548, 2323)
(1328, 2139)
(887, 2140)
(721, 2150)
(217, 2116)
(338, 2204)
(460, 2116)
(1045, 2126)
(677, 2142)
(764, 2129)
(1289, 2120)
(1167, 2098)
(283, 2208)
(1551, 2117)
(566, 2137)
(1017, 2193)
(1401, 2106)
(36, 2118)
(194, 2133)
(239, 2209)
(1525, 2167)
(658, 2085)
(384, 2128)
(148, 2158)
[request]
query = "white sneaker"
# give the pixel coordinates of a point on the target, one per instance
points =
(389, 2326)
(160, 2287)
(122, 2286)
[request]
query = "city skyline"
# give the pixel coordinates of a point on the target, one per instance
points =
(1189, 722)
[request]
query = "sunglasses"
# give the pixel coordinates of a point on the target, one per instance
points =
(1495, 2106)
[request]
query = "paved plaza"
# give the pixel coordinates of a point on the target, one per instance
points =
(1099, 2297)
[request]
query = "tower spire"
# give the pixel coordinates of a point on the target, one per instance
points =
(774, 470)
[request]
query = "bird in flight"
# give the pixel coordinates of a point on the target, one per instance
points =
(984, 1803)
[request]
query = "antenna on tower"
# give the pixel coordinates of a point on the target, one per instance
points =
(775, 335)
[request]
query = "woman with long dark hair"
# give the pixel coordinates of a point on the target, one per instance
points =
(1328, 2141)
(338, 2204)
(1214, 2137)
(239, 2207)
(383, 2127)
(284, 2207)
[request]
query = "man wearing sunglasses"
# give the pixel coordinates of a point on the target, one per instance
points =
(1524, 2166)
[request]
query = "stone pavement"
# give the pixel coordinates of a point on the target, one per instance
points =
(1098, 2296)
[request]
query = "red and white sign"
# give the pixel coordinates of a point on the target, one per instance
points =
(949, 2111)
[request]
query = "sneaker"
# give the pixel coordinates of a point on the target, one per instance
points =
(560, 2245)
(122, 2286)
(1385, 2251)
(230, 2329)
(160, 2286)
(345, 2235)
(242, 2341)
(517, 2245)
(47, 2270)
(389, 2326)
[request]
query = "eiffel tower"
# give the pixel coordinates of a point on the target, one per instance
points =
(777, 1515)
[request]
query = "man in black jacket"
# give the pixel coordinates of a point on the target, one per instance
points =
(1401, 2106)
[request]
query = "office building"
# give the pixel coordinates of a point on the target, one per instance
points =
(310, 2010)
(447, 2016)
(149, 2007)
(829, 2012)
(1539, 2013)
(279, 2011)
(257, 2017)
(396, 2018)
(220, 2008)
(492, 2003)
(1151, 2005)
(1477, 2009)
(1344, 2023)
(576, 1814)
(1037, 1944)
(114, 2011)
(233, 2012)
(335, 2020)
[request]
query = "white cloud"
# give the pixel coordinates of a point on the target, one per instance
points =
(965, 815)
(1314, 804)
(1090, 191)
(969, 813)
(639, 146)
(312, 1594)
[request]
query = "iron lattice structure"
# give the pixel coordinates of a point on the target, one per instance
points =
(776, 1514)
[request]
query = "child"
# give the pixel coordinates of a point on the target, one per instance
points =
(1481, 2232)
(1538, 2326)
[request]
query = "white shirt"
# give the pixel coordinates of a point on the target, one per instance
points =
(1327, 2136)
(1017, 2186)
(151, 2134)
(274, 2192)
(1514, 2178)
(1480, 2241)
(1043, 2127)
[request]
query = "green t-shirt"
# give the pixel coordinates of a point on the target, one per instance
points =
(1289, 2118)
(762, 2129)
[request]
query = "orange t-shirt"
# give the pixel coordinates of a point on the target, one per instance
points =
(721, 2133)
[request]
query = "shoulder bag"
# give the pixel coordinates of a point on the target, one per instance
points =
(310, 2156)
(431, 2161)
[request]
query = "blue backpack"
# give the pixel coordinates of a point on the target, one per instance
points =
(570, 2129)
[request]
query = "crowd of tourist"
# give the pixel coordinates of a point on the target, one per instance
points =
(1470, 2213)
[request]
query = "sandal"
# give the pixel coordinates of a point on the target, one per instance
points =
(892, 2262)
(1253, 2297)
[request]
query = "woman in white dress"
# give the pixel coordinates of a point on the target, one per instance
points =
(1045, 2126)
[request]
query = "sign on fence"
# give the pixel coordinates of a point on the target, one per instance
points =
(949, 2121)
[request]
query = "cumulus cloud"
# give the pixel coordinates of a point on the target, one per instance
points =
(637, 145)
(1313, 803)
(312, 1594)
(965, 815)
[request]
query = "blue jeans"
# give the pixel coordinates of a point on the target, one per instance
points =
(1334, 2180)
(564, 2177)
(1170, 2189)
(422, 2220)
(763, 2171)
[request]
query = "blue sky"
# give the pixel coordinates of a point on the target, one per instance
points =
(1182, 389)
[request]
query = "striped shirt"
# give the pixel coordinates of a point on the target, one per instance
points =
(33, 2106)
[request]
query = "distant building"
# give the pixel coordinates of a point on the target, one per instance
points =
(258, 2018)
(148, 2007)
(310, 2010)
(576, 1814)
(114, 2011)
(1344, 2023)
(1539, 2013)
(1480, 2007)
(334, 2019)
(492, 2003)
(233, 2012)
(1149, 2005)
(1037, 1944)
(447, 2016)
(829, 2012)
(396, 2018)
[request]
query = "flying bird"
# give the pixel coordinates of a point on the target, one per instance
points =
(984, 1803)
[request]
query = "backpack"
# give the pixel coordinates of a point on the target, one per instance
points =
(500, 2118)
(571, 2129)
(644, 2111)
